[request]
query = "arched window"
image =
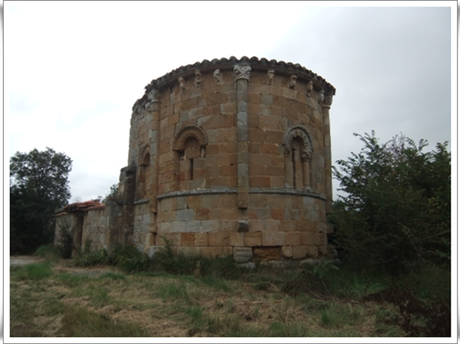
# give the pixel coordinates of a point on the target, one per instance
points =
(298, 150)
(190, 145)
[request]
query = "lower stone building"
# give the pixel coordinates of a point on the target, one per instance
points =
(226, 157)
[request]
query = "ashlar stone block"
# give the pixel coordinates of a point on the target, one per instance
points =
(267, 253)
(300, 252)
(273, 238)
(218, 239)
(292, 239)
(286, 251)
(201, 239)
(236, 239)
(242, 254)
(253, 239)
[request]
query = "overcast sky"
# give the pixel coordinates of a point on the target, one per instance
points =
(73, 70)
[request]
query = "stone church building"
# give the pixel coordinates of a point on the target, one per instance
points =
(226, 157)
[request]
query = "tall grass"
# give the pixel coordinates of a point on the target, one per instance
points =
(80, 322)
(33, 271)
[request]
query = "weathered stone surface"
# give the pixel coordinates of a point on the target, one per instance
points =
(312, 251)
(273, 238)
(236, 239)
(286, 251)
(242, 254)
(293, 239)
(267, 253)
(253, 239)
(299, 252)
(188, 239)
(218, 239)
(243, 226)
(201, 239)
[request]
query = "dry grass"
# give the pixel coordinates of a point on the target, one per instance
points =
(104, 302)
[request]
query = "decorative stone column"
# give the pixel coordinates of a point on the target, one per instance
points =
(288, 170)
(304, 156)
(154, 106)
(325, 106)
(241, 75)
(298, 169)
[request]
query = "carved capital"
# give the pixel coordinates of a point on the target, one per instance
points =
(287, 152)
(241, 72)
(305, 156)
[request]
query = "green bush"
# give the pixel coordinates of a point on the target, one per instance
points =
(130, 259)
(48, 251)
(98, 257)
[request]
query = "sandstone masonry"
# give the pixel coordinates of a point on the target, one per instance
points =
(226, 157)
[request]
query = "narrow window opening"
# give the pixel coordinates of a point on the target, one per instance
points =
(293, 168)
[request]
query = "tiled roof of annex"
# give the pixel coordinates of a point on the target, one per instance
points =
(81, 206)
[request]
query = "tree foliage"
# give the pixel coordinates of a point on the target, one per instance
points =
(396, 211)
(38, 186)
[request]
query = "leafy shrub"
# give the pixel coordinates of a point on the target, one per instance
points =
(130, 259)
(98, 257)
(49, 252)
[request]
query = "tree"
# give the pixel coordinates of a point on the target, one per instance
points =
(38, 187)
(396, 211)
(113, 194)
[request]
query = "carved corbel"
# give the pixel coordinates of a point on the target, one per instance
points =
(181, 84)
(270, 76)
(153, 97)
(136, 107)
(197, 78)
(321, 96)
(327, 101)
(217, 77)
(309, 88)
(292, 81)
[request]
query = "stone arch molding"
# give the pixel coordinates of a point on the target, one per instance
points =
(188, 132)
(302, 133)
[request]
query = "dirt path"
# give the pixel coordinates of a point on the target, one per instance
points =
(24, 260)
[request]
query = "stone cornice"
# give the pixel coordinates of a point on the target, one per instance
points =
(224, 64)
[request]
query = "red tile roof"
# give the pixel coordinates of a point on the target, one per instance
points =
(83, 206)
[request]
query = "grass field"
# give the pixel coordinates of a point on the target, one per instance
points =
(56, 298)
